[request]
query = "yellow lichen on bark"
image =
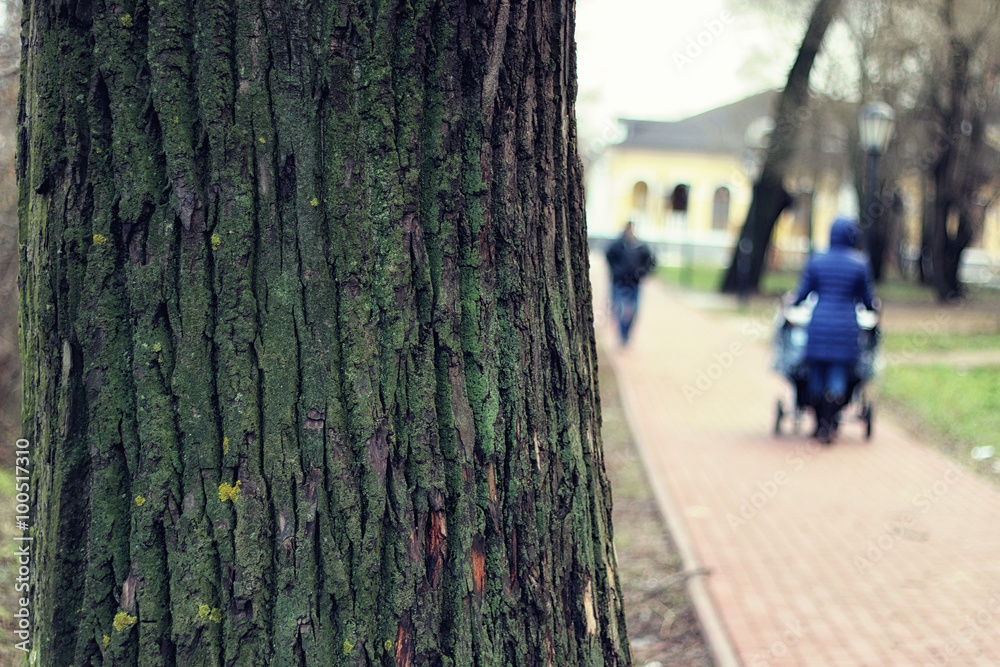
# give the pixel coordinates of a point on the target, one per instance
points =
(229, 492)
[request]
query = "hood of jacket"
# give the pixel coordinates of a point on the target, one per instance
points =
(844, 233)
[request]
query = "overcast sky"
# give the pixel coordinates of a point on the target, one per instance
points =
(668, 60)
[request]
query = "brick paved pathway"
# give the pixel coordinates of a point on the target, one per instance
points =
(864, 553)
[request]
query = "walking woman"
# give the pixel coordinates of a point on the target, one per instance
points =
(840, 278)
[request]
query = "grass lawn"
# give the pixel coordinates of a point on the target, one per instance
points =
(956, 410)
(896, 293)
(699, 278)
(704, 278)
(941, 341)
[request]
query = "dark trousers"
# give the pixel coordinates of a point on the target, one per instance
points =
(828, 378)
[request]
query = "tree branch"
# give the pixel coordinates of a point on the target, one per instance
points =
(795, 96)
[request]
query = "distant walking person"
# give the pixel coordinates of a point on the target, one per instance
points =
(841, 278)
(630, 261)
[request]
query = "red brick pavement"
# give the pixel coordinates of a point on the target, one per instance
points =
(863, 553)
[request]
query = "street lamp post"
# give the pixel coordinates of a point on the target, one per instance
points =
(876, 122)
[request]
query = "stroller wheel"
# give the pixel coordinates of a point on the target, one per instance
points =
(780, 414)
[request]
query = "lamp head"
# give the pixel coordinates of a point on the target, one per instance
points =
(876, 122)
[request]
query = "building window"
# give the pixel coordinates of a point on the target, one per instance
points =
(640, 191)
(679, 199)
(803, 210)
(720, 210)
(677, 206)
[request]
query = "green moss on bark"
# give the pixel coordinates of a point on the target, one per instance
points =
(332, 256)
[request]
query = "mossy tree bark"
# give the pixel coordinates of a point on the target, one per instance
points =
(310, 371)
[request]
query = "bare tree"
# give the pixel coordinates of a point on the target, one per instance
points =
(958, 103)
(934, 62)
(888, 70)
(769, 195)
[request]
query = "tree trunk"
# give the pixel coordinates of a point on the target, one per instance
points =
(769, 195)
(875, 238)
(947, 246)
(310, 373)
(926, 271)
(750, 255)
(954, 181)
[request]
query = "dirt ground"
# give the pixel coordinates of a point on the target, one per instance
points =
(662, 625)
(971, 317)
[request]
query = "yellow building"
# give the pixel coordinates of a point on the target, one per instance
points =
(687, 186)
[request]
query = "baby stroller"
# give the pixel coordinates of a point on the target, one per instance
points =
(789, 360)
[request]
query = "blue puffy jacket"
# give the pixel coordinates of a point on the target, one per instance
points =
(840, 278)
